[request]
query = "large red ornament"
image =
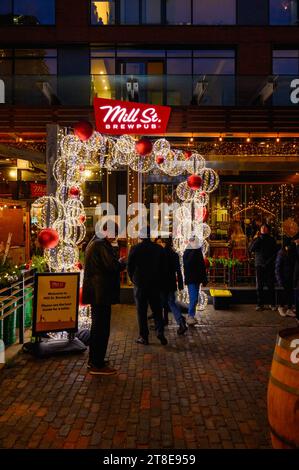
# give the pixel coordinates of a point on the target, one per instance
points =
(188, 154)
(82, 219)
(143, 147)
(74, 192)
(48, 238)
(83, 130)
(160, 159)
(194, 182)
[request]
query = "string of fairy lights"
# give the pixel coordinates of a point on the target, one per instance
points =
(61, 217)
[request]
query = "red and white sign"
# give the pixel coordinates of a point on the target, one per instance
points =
(38, 190)
(123, 117)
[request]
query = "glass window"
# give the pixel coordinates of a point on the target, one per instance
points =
(5, 62)
(214, 66)
(129, 11)
(31, 12)
(214, 12)
(179, 66)
(36, 62)
(140, 53)
(151, 11)
(178, 11)
(283, 12)
(102, 66)
(5, 7)
(102, 52)
(286, 62)
(103, 12)
(180, 53)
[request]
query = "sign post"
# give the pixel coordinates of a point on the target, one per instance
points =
(56, 303)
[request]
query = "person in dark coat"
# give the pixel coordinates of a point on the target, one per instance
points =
(173, 282)
(284, 272)
(164, 295)
(195, 274)
(101, 289)
(265, 249)
(146, 269)
(296, 274)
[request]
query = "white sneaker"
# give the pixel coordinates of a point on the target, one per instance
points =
(191, 320)
(281, 312)
(290, 313)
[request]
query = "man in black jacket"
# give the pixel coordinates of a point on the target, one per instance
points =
(101, 289)
(265, 249)
(146, 268)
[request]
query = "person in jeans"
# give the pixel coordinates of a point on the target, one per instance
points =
(101, 289)
(173, 282)
(265, 249)
(284, 272)
(146, 269)
(195, 274)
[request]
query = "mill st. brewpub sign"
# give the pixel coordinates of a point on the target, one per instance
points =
(123, 117)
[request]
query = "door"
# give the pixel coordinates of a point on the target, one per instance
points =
(141, 80)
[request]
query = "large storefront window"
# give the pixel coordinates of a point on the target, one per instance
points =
(285, 65)
(173, 77)
(215, 12)
(27, 12)
(283, 12)
(236, 211)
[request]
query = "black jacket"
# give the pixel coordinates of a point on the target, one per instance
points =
(285, 265)
(265, 250)
(173, 273)
(194, 267)
(146, 265)
(101, 284)
(296, 269)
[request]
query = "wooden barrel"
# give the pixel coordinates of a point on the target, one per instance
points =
(283, 391)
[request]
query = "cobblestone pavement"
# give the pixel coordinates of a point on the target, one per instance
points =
(204, 390)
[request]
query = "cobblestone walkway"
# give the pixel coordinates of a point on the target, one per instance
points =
(204, 390)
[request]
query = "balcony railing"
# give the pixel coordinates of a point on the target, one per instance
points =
(174, 90)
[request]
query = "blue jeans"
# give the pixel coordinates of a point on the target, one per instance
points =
(193, 290)
(174, 308)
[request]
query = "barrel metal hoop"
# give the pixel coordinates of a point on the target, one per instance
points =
(286, 388)
(283, 439)
(286, 363)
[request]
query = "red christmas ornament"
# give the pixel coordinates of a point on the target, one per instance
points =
(160, 159)
(79, 265)
(83, 130)
(188, 154)
(74, 191)
(48, 238)
(82, 219)
(207, 263)
(143, 147)
(194, 182)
